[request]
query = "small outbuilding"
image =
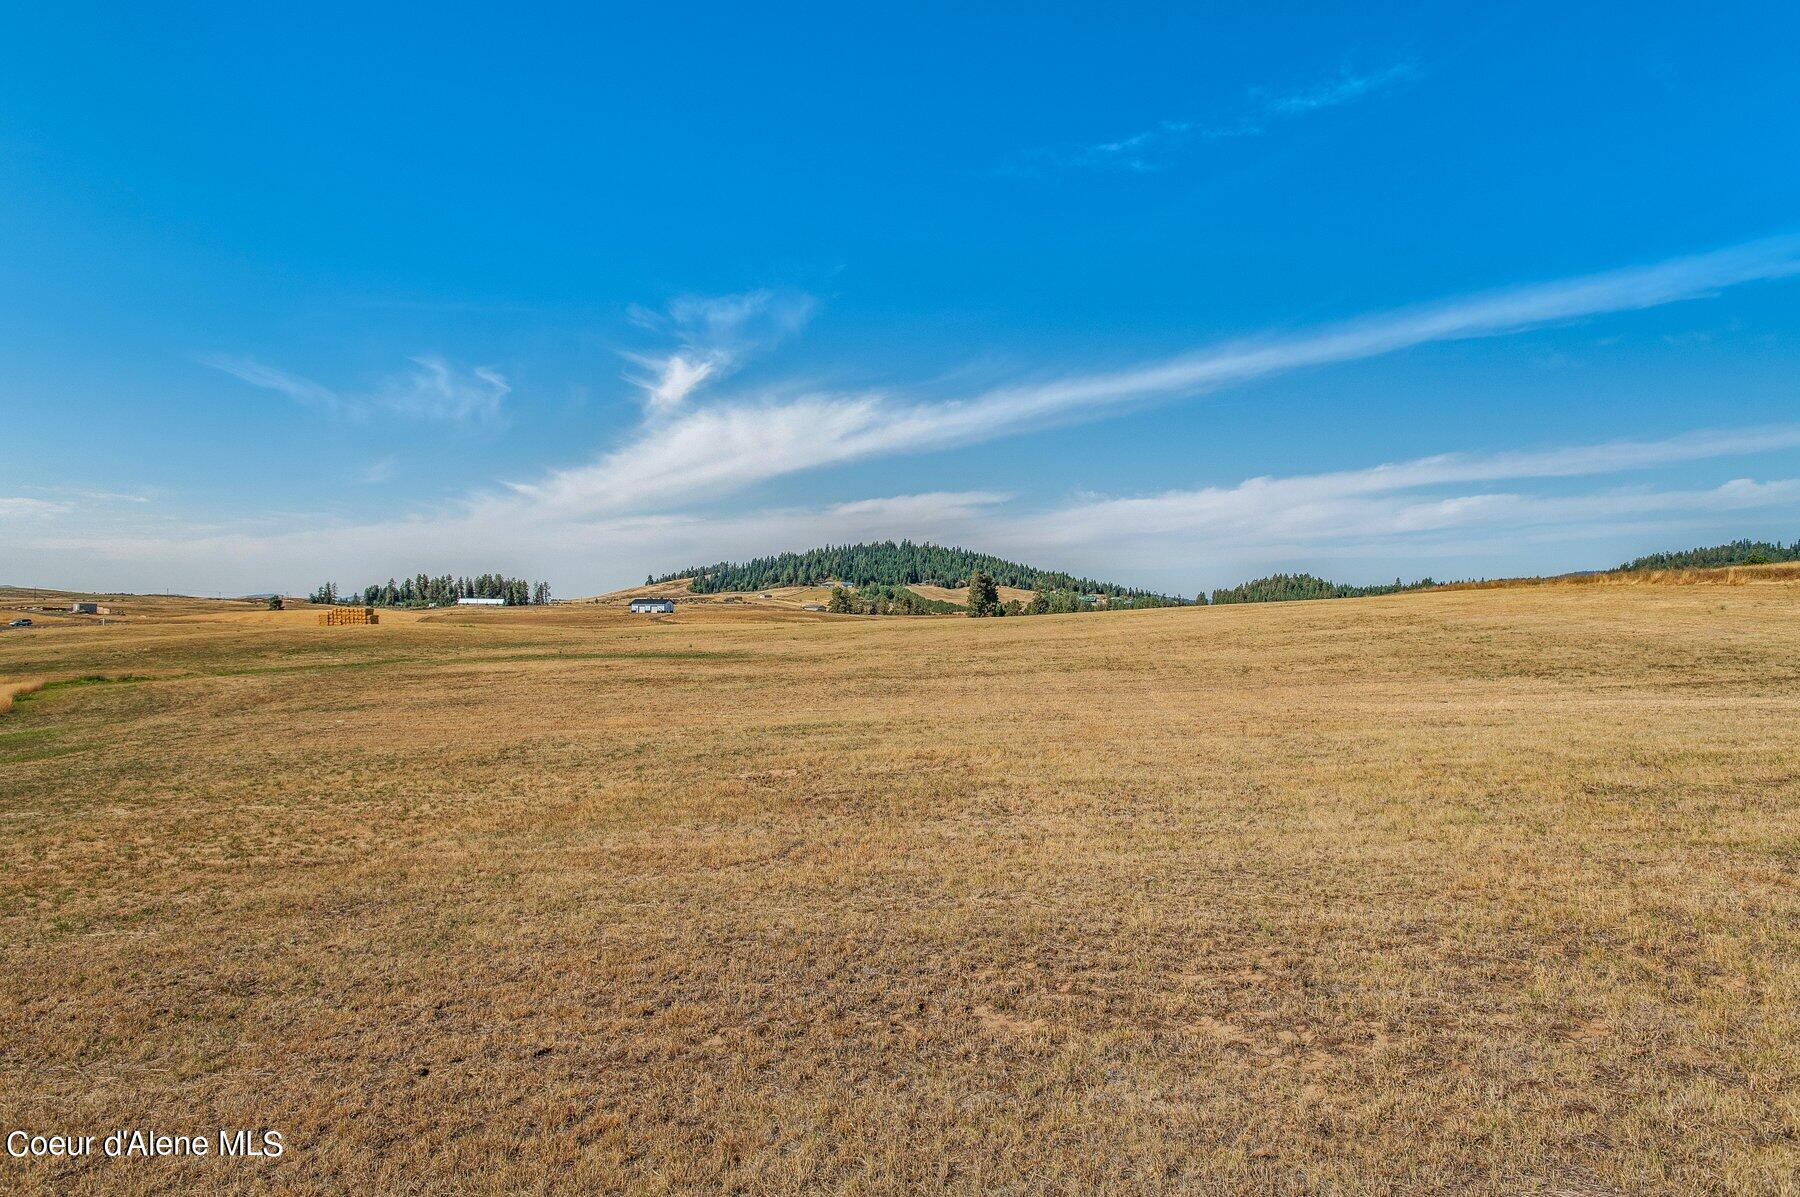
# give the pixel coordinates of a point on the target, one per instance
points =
(652, 606)
(84, 608)
(814, 606)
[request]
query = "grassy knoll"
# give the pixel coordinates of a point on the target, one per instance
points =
(1476, 891)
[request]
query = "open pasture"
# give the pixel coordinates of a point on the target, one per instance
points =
(1486, 891)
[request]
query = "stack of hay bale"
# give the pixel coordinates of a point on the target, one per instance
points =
(339, 617)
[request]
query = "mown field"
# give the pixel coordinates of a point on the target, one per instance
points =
(1475, 892)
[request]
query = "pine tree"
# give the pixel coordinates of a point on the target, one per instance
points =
(984, 596)
(887, 563)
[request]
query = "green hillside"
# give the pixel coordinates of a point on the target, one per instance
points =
(1282, 588)
(1736, 552)
(887, 563)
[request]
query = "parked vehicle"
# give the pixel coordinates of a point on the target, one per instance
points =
(19, 623)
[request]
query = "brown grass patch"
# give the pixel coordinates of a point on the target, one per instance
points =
(1473, 892)
(960, 595)
(11, 690)
(1784, 573)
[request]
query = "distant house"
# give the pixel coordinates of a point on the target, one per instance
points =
(652, 606)
(84, 608)
(814, 606)
(480, 602)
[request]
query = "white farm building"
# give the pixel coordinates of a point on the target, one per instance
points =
(656, 606)
(481, 602)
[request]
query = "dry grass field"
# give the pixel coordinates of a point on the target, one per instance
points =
(960, 594)
(1472, 892)
(682, 591)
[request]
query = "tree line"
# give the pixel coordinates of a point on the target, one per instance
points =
(1282, 588)
(1735, 552)
(879, 599)
(984, 601)
(886, 563)
(422, 590)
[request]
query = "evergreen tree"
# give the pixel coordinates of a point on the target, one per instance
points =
(887, 563)
(840, 601)
(424, 590)
(1278, 588)
(984, 596)
(1736, 552)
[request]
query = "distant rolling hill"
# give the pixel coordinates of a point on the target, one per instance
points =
(1735, 552)
(891, 563)
(939, 572)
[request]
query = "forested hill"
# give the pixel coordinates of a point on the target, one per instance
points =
(887, 563)
(1737, 552)
(1282, 588)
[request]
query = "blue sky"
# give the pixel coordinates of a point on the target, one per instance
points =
(1171, 296)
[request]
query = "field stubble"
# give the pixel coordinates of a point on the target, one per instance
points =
(1474, 892)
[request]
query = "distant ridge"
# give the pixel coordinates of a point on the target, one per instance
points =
(1286, 588)
(886, 562)
(1734, 552)
(902, 563)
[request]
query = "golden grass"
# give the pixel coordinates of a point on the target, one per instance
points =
(9, 691)
(960, 594)
(1784, 573)
(1484, 892)
(682, 591)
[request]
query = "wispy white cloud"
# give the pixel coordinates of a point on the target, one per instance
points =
(1424, 508)
(1152, 148)
(715, 335)
(1346, 88)
(707, 451)
(433, 389)
(378, 471)
(1354, 505)
(300, 390)
(306, 551)
(910, 511)
(671, 378)
(651, 500)
(17, 506)
(89, 495)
